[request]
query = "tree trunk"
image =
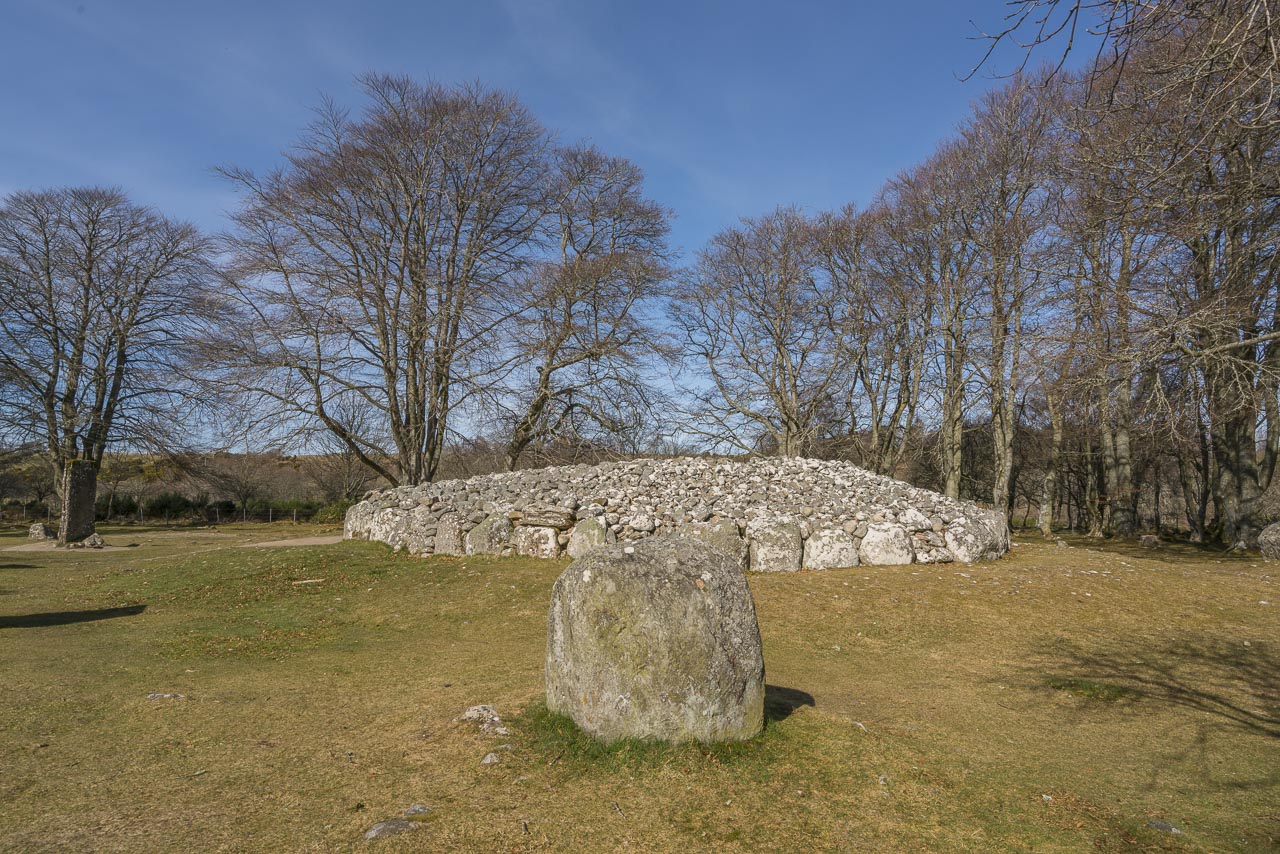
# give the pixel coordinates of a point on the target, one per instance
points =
(1091, 500)
(1049, 491)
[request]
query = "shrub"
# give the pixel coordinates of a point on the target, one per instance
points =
(121, 505)
(168, 504)
(335, 512)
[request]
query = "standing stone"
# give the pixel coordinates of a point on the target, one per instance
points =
(830, 548)
(656, 641)
(886, 544)
(535, 541)
(490, 537)
(588, 534)
(724, 535)
(776, 545)
(79, 494)
(1269, 542)
(449, 535)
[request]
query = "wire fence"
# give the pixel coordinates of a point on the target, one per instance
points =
(30, 514)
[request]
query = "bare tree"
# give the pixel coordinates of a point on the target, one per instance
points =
(99, 300)
(886, 320)
(929, 210)
(332, 466)
(1011, 140)
(764, 328)
(585, 341)
(377, 264)
(1222, 65)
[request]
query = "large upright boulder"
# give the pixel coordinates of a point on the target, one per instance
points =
(588, 534)
(449, 535)
(656, 640)
(725, 535)
(535, 541)
(982, 535)
(79, 495)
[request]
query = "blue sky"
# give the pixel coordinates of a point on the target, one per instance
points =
(731, 108)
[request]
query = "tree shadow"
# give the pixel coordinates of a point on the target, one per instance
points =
(780, 702)
(18, 566)
(62, 618)
(1225, 681)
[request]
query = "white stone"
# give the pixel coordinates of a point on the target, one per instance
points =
(775, 544)
(830, 548)
(886, 544)
(985, 534)
(535, 541)
(913, 520)
(449, 536)
(490, 537)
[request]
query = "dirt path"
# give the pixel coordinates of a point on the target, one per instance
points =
(296, 541)
(49, 546)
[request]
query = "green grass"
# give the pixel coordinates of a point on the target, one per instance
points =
(1092, 690)
(1057, 700)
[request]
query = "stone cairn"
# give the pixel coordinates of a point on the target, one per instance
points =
(775, 514)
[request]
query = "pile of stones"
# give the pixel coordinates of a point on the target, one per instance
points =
(776, 514)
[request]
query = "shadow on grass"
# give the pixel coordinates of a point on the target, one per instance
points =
(1225, 681)
(63, 618)
(18, 566)
(780, 703)
(1169, 551)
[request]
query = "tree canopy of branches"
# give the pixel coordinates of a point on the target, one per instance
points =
(396, 262)
(1074, 303)
(100, 300)
(584, 336)
(763, 326)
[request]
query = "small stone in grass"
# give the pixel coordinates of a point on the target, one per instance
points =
(1162, 825)
(417, 809)
(390, 828)
(161, 696)
(491, 759)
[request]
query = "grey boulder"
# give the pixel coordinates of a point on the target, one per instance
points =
(830, 548)
(777, 544)
(588, 534)
(886, 544)
(490, 537)
(656, 640)
(723, 534)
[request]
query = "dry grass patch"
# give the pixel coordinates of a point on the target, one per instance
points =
(1058, 700)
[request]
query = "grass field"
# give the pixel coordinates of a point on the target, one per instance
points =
(1058, 700)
